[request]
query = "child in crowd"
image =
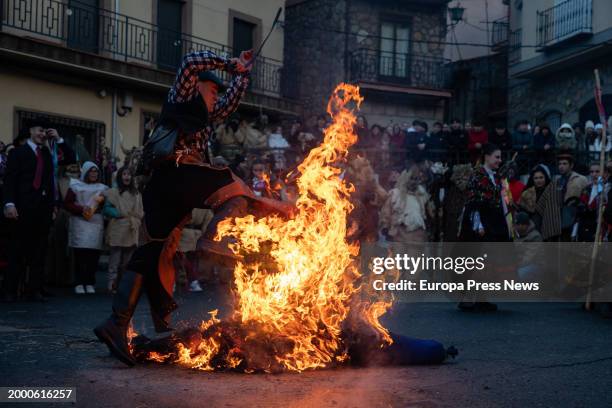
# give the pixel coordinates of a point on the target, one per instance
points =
(261, 179)
(278, 144)
(86, 226)
(525, 232)
(123, 206)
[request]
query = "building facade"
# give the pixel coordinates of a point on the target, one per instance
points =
(555, 47)
(100, 69)
(392, 49)
(478, 45)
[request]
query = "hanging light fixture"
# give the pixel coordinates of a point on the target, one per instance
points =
(456, 13)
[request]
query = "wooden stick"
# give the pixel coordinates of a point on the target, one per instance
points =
(602, 157)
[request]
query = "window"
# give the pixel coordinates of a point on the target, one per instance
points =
(169, 20)
(83, 25)
(86, 137)
(244, 36)
(244, 32)
(394, 49)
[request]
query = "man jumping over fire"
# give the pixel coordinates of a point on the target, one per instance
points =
(181, 179)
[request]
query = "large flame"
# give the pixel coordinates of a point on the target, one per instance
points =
(301, 296)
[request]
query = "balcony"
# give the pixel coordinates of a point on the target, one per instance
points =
(568, 20)
(515, 46)
(499, 34)
(119, 37)
(407, 70)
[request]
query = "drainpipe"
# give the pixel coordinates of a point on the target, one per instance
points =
(347, 28)
(114, 107)
(114, 124)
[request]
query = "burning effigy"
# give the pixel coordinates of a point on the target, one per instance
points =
(300, 299)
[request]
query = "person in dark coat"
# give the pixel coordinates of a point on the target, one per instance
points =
(28, 202)
(458, 137)
(477, 138)
(484, 217)
(416, 142)
(485, 210)
(180, 182)
(501, 137)
(544, 145)
(437, 148)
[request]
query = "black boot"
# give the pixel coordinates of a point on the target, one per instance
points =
(234, 207)
(161, 320)
(113, 332)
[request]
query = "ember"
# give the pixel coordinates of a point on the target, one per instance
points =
(297, 310)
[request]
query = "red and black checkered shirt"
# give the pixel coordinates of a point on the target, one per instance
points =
(185, 89)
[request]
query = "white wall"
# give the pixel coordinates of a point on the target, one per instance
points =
(473, 28)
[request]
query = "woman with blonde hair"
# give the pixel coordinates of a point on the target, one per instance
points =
(123, 208)
(403, 215)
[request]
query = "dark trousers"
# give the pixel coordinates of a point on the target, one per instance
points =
(28, 236)
(86, 265)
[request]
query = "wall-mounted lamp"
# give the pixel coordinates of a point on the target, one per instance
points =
(456, 13)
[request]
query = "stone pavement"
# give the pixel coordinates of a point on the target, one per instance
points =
(525, 355)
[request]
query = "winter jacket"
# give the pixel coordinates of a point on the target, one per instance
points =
(413, 139)
(481, 137)
(125, 212)
(566, 142)
(458, 139)
(437, 146)
(504, 142)
(539, 141)
(520, 139)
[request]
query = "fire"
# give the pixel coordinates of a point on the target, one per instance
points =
(296, 301)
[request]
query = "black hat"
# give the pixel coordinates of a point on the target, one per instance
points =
(210, 76)
(33, 122)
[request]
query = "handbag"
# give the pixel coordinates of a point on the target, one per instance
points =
(158, 148)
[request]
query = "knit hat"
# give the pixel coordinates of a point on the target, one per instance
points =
(589, 124)
(598, 126)
(88, 165)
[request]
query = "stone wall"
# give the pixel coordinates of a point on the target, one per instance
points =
(314, 51)
(566, 91)
(317, 50)
(427, 25)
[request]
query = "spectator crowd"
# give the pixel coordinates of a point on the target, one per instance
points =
(413, 182)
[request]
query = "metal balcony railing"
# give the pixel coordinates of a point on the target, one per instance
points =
(499, 33)
(121, 37)
(515, 44)
(565, 20)
(401, 69)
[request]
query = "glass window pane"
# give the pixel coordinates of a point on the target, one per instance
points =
(387, 46)
(402, 45)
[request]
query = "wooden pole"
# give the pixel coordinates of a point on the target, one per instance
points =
(600, 195)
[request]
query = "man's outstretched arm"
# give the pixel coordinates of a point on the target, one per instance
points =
(185, 83)
(229, 102)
